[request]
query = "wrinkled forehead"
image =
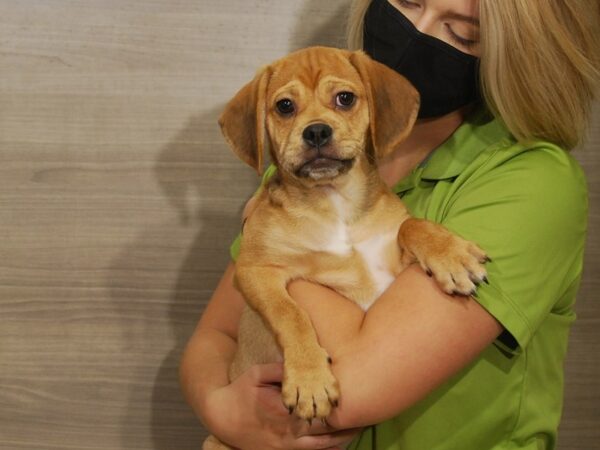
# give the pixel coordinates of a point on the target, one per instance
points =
(314, 71)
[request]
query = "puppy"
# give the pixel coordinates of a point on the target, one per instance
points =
(326, 116)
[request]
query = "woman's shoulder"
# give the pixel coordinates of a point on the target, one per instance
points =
(536, 180)
(498, 154)
(539, 154)
(538, 164)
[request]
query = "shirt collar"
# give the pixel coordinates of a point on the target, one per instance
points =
(479, 130)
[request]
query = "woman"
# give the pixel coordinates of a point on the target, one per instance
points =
(488, 160)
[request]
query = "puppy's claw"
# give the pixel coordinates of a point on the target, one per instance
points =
(333, 403)
(329, 360)
(290, 409)
(485, 280)
(470, 293)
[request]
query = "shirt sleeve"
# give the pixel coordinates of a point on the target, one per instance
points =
(529, 213)
(234, 249)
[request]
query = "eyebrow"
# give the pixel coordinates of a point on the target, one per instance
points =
(293, 87)
(463, 18)
(332, 81)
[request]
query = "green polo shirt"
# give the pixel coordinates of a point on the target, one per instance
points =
(526, 206)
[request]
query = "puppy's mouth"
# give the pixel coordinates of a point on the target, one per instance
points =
(324, 167)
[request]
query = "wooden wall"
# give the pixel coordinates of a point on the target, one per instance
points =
(118, 199)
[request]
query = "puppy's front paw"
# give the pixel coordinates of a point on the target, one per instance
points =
(456, 264)
(309, 388)
(459, 269)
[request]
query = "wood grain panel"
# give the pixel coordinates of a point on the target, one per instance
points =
(118, 199)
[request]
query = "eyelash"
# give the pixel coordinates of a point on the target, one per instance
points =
(467, 43)
(406, 3)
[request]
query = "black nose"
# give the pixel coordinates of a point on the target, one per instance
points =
(317, 135)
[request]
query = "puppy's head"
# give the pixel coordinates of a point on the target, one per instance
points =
(321, 110)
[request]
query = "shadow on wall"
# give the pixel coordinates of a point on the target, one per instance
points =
(187, 169)
(173, 425)
(188, 252)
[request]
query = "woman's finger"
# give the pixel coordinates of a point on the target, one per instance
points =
(325, 441)
(268, 373)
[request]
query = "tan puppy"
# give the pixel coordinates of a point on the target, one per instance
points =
(326, 116)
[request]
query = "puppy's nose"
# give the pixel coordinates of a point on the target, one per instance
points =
(317, 135)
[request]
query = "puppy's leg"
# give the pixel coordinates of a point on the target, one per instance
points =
(456, 264)
(308, 386)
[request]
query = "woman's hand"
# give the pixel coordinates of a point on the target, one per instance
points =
(249, 414)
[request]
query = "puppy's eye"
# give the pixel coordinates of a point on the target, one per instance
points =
(285, 107)
(345, 99)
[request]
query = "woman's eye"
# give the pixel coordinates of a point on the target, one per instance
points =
(285, 107)
(345, 99)
(467, 43)
(408, 4)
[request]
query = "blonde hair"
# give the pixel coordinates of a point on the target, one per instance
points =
(540, 64)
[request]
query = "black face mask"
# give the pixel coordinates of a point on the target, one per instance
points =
(446, 78)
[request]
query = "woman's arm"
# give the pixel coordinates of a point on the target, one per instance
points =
(205, 363)
(410, 341)
(247, 413)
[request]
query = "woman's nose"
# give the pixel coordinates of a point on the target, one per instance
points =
(426, 23)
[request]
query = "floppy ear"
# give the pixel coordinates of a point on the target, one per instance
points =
(393, 102)
(243, 121)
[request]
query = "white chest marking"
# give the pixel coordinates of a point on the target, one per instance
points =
(374, 251)
(338, 240)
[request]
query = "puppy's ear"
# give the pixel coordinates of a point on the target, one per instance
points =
(243, 122)
(393, 102)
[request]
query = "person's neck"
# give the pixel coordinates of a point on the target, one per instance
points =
(426, 135)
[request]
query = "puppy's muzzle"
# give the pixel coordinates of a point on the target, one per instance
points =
(322, 160)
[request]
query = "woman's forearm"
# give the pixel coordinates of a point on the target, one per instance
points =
(204, 366)
(337, 320)
(205, 362)
(409, 342)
